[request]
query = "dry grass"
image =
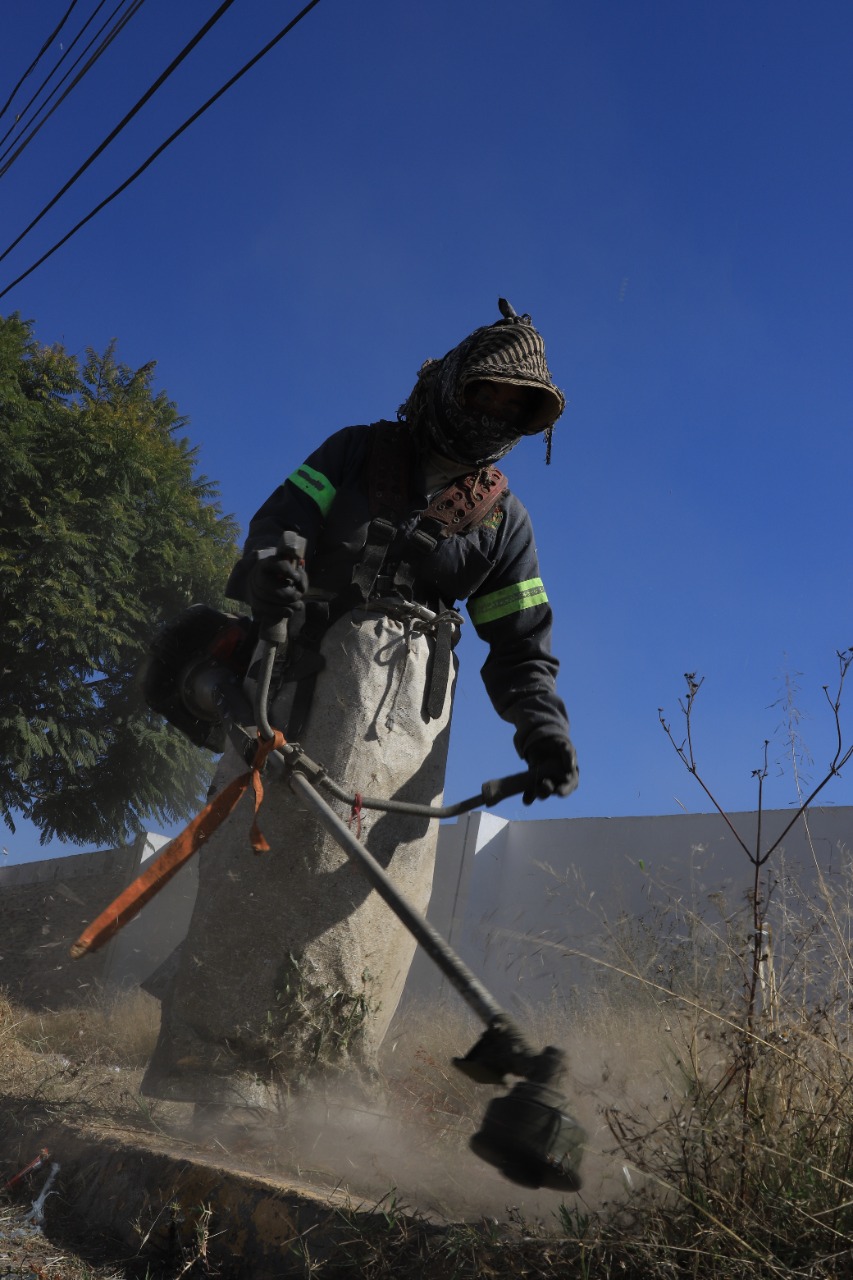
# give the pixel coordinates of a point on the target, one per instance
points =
(722, 1143)
(738, 1149)
(85, 1062)
(119, 1029)
(722, 1135)
(27, 1253)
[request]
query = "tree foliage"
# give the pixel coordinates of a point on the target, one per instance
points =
(105, 530)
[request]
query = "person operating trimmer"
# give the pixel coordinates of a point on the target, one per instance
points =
(292, 967)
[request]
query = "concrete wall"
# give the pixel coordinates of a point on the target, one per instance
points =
(44, 907)
(144, 943)
(518, 900)
(515, 899)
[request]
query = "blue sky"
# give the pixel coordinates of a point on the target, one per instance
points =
(665, 187)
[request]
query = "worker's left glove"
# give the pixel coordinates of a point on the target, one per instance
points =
(553, 764)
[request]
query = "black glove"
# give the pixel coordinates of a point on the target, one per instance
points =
(553, 764)
(275, 589)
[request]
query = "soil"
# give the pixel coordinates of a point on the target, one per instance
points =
(339, 1186)
(139, 1192)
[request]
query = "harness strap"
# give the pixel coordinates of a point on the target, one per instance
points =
(439, 669)
(390, 468)
(462, 505)
(418, 546)
(380, 535)
(389, 491)
(465, 503)
(444, 627)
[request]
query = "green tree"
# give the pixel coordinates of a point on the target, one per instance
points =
(105, 530)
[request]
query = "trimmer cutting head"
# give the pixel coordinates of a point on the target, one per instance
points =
(528, 1134)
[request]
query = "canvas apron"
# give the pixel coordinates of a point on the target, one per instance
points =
(293, 967)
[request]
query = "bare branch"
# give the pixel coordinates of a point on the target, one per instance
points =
(839, 760)
(760, 774)
(687, 757)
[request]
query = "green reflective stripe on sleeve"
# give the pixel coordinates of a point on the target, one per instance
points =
(499, 604)
(315, 484)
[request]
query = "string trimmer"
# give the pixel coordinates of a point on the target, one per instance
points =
(528, 1133)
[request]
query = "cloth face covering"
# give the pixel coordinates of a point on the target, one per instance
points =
(509, 351)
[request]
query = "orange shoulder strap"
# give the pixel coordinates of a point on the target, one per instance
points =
(180, 850)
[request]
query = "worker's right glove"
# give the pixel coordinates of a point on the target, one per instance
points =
(553, 764)
(275, 589)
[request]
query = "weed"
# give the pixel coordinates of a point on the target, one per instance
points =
(328, 1022)
(115, 1028)
(176, 1239)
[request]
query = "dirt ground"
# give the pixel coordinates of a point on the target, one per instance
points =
(400, 1160)
(27, 1252)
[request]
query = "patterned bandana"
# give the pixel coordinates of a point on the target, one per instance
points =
(508, 351)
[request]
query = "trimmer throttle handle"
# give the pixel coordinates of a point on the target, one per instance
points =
(291, 547)
(502, 788)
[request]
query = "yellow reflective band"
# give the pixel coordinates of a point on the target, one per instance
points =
(499, 604)
(316, 485)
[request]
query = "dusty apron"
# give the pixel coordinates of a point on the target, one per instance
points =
(293, 967)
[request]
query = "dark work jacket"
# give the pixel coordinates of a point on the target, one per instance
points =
(493, 567)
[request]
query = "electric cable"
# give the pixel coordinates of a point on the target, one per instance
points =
(163, 146)
(48, 42)
(135, 6)
(134, 110)
(20, 115)
(20, 120)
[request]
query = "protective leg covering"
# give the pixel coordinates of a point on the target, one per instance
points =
(293, 966)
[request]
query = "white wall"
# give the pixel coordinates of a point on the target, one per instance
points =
(515, 899)
(144, 943)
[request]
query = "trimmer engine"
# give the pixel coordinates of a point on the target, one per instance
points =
(190, 657)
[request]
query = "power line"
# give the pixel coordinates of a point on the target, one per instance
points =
(48, 42)
(134, 110)
(20, 115)
(135, 6)
(163, 146)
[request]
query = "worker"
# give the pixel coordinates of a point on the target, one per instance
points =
(293, 968)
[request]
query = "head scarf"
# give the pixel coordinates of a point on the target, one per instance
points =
(508, 351)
